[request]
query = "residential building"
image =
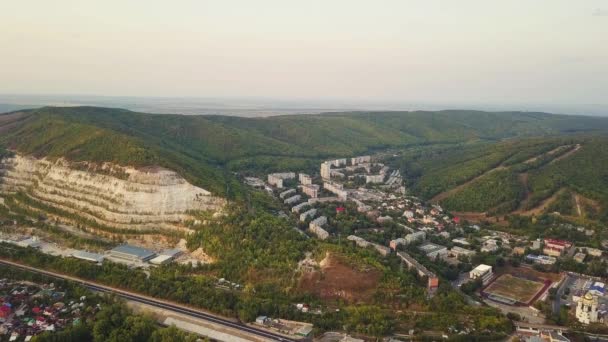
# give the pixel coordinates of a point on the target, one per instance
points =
(326, 170)
(384, 219)
(433, 280)
(587, 309)
(292, 199)
(311, 190)
(536, 244)
(395, 243)
(360, 160)
(374, 179)
(458, 251)
(432, 250)
(483, 272)
(579, 257)
(461, 241)
(276, 179)
(297, 208)
(308, 214)
(304, 179)
(593, 251)
(337, 189)
(287, 193)
(413, 237)
(316, 227)
(489, 246)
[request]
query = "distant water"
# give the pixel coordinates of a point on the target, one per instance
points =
(261, 107)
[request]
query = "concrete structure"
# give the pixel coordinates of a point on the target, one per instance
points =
(461, 241)
(32, 242)
(360, 160)
(483, 272)
(311, 190)
(536, 244)
(458, 251)
(304, 179)
(308, 214)
(292, 199)
(433, 280)
(299, 207)
(556, 247)
(92, 257)
(374, 179)
(586, 309)
(316, 227)
(432, 250)
(337, 189)
(276, 179)
(287, 193)
(166, 256)
(413, 237)
(131, 253)
(326, 171)
(489, 246)
(541, 259)
(397, 242)
(383, 250)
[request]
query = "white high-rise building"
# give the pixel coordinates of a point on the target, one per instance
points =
(326, 170)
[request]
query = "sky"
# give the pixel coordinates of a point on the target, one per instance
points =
(431, 51)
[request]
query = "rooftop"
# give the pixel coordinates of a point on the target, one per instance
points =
(133, 250)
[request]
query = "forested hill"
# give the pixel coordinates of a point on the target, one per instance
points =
(205, 149)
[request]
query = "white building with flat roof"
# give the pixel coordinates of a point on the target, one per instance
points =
(483, 272)
(326, 170)
(276, 179)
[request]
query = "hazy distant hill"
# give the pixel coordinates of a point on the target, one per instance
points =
(204, 149)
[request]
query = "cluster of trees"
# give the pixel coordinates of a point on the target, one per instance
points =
(493, 189)
(114, 322)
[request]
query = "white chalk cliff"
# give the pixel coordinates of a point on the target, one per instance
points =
(114, 196)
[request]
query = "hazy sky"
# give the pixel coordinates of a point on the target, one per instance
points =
(541, 51)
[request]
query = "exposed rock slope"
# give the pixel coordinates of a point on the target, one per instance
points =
(111, 195)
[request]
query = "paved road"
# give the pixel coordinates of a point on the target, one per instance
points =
(557, 302)
(157, 303)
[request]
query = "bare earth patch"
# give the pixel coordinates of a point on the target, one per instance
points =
(338, 280)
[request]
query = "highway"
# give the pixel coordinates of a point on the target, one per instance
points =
(156, 302)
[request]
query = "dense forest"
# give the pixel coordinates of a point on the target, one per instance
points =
(206, 149)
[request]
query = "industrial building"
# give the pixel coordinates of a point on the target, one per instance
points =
(166, 256)
(87, 256)
(131, 253)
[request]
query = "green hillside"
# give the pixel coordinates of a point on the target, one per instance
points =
(527, 176)
(206, 149)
